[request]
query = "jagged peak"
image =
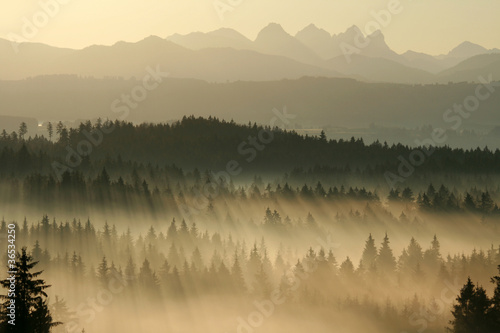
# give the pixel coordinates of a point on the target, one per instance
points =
(273, 28)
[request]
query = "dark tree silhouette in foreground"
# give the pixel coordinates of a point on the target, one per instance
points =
(31, 310)
(475, 312)
(495, 303)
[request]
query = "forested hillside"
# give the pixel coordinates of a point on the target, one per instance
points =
(170, 217)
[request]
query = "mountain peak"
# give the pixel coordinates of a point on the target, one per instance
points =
(466, 50)
(311, 28)
(228, 33)
(349, 33)
(276, 41)
(468, 44)
(313, 31)
(152, 39)
(352, 29)
(272, 29)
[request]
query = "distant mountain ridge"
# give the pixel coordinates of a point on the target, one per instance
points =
(315, 103)
(227, 55)
(327, 45)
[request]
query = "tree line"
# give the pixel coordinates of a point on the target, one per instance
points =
(210, 143)
(183, 262)
(157, 193)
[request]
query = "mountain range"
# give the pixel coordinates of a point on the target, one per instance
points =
(226, 55)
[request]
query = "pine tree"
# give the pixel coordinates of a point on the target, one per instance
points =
(469, 202)
(31, 311)
(193, 231)
(174, 285)
(23, 129)
(285, 286)
(470, 312)
(61, 313)
(415, 254)
(386, 261)
(494, 311)
(254, 262)
(332, 261)
(487, 203)
(103, 273)
(148, 279)
(322, 136)
(197, 260)
(237, 276)
(261, 286)
(407, 195)
(432, 257)
(347, 269)
(369, 254)
(74, 269)
(431, 192)
(425, 202)
(50, 130)
(42, 317)
(393, 195)
(130, 271)
(165, 272)
(172, 231)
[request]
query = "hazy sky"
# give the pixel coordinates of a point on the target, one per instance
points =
(431, 26)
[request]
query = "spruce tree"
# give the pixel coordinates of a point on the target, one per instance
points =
(494, 311)
(31, 310)
(238, 280)
(470, 314)
(369, 254)
(386, 260)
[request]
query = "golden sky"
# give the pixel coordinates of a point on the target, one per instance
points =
(431, 26)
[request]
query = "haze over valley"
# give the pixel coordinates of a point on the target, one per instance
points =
(250, 166)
